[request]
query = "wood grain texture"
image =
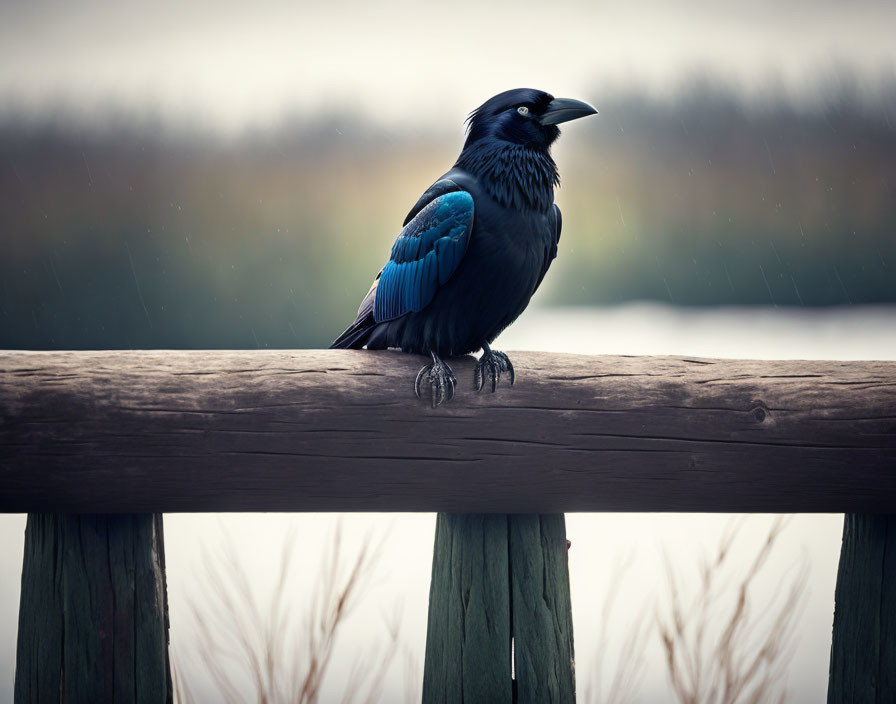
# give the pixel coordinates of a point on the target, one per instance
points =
(93, 614)
(497, 579)
(863, 650)
(468, 633)
(541, 610)
(340, 430)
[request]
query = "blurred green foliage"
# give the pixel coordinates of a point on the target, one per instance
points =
(119, 236)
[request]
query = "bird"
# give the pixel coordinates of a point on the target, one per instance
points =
(474, 247)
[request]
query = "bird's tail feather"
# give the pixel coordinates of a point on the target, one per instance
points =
(357, 334)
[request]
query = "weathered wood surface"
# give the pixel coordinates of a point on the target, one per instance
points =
(468, 634)
(498, 579)
(541, 611)
(863, 649)
(93, 615)
(341, 430)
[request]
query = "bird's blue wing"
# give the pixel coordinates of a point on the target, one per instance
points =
(425, 256)
(439, 188)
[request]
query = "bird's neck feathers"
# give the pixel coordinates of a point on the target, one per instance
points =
(515, 175)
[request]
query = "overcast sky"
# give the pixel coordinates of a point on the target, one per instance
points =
(229, 64)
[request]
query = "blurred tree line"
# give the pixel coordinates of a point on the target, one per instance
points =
(118, 235)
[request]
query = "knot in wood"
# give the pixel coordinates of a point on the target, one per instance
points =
(760, 411)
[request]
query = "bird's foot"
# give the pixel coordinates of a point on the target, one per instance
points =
(440, 378)
(489, 368)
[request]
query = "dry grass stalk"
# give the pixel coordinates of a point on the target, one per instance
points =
(741, 664)
(285, 663)
(746, 663)
(629, 666)
(181, 689)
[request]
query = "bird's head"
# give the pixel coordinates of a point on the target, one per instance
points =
(524, 116)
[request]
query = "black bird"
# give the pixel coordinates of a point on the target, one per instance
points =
(475, 247)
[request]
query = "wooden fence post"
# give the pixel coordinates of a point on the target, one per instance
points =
(863, 648)
(541, 609)
(93, 615)
(500, 584)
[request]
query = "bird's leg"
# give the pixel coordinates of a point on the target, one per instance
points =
(440, 378)
(489, 367)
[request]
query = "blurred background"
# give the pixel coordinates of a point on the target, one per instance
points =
(223, 175)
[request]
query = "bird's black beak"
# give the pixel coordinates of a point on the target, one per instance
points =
(565, 109)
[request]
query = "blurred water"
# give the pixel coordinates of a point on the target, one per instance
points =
(600, 542)
(760, 332)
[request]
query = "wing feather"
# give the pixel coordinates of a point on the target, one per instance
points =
(425, 254)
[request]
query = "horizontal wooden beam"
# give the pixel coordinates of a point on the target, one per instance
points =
(312, 430)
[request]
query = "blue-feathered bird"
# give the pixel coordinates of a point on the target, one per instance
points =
(475, 247)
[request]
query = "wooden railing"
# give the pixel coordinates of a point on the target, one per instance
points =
(92, 434)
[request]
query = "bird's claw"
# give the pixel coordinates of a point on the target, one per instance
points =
(489, 367)
(441, 380)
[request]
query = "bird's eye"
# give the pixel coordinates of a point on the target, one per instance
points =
(522, 110)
